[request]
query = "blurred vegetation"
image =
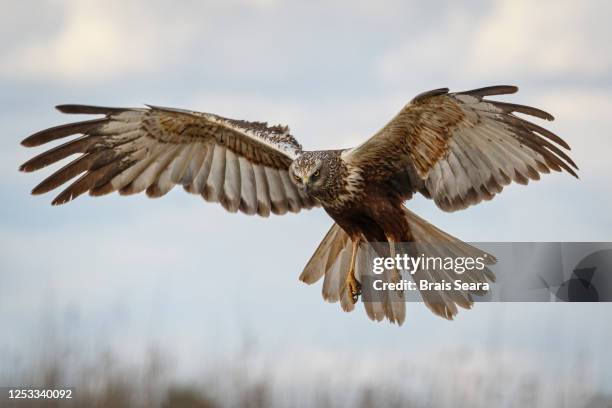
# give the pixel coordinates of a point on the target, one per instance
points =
(109, 382)
(133, 378)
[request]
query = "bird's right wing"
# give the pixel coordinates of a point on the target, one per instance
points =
(242, 165)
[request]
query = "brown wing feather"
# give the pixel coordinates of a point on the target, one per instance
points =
(153, 149)
(462, 148)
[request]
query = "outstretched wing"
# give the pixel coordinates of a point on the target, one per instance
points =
(459, 148)
(242, 165)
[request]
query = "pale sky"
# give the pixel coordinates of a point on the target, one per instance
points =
(127, 272)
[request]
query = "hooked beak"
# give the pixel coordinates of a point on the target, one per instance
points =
(306, 183)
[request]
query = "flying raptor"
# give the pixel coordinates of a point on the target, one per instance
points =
(457, 149)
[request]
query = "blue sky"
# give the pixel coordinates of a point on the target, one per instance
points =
(130, 271)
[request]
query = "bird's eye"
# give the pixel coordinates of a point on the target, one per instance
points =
(316, 173)
(297, 178)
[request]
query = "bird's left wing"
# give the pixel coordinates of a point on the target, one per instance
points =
(243, 165)
(459, 148)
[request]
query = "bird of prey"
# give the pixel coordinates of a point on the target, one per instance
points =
(457, 149)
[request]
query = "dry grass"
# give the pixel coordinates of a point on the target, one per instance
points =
(109, 382)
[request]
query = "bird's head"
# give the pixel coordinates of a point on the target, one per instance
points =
(309, 171)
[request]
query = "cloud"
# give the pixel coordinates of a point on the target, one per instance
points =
(545, 39)
(90, 40)
(577, 104)
(72, 40)
(96, 41)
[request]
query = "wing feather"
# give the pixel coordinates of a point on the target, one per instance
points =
(125, 181)
(291, 192)
(182, 163)
(278, 199)
(59, 132)
(248, 187)
(213, 190)
(200, 169)
(158, 183)
(66, 173)
(231, 185)
(264, 206)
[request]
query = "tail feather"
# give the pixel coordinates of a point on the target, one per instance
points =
(328, 250)
(331, 261)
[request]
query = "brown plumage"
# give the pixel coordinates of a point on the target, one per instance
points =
(455, 148)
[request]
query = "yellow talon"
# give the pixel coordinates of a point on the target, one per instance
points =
(351, 284)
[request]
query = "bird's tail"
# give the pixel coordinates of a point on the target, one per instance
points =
(331, 261)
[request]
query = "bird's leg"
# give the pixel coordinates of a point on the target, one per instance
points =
(351, 285)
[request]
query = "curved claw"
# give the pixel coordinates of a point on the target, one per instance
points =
(353, 288)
